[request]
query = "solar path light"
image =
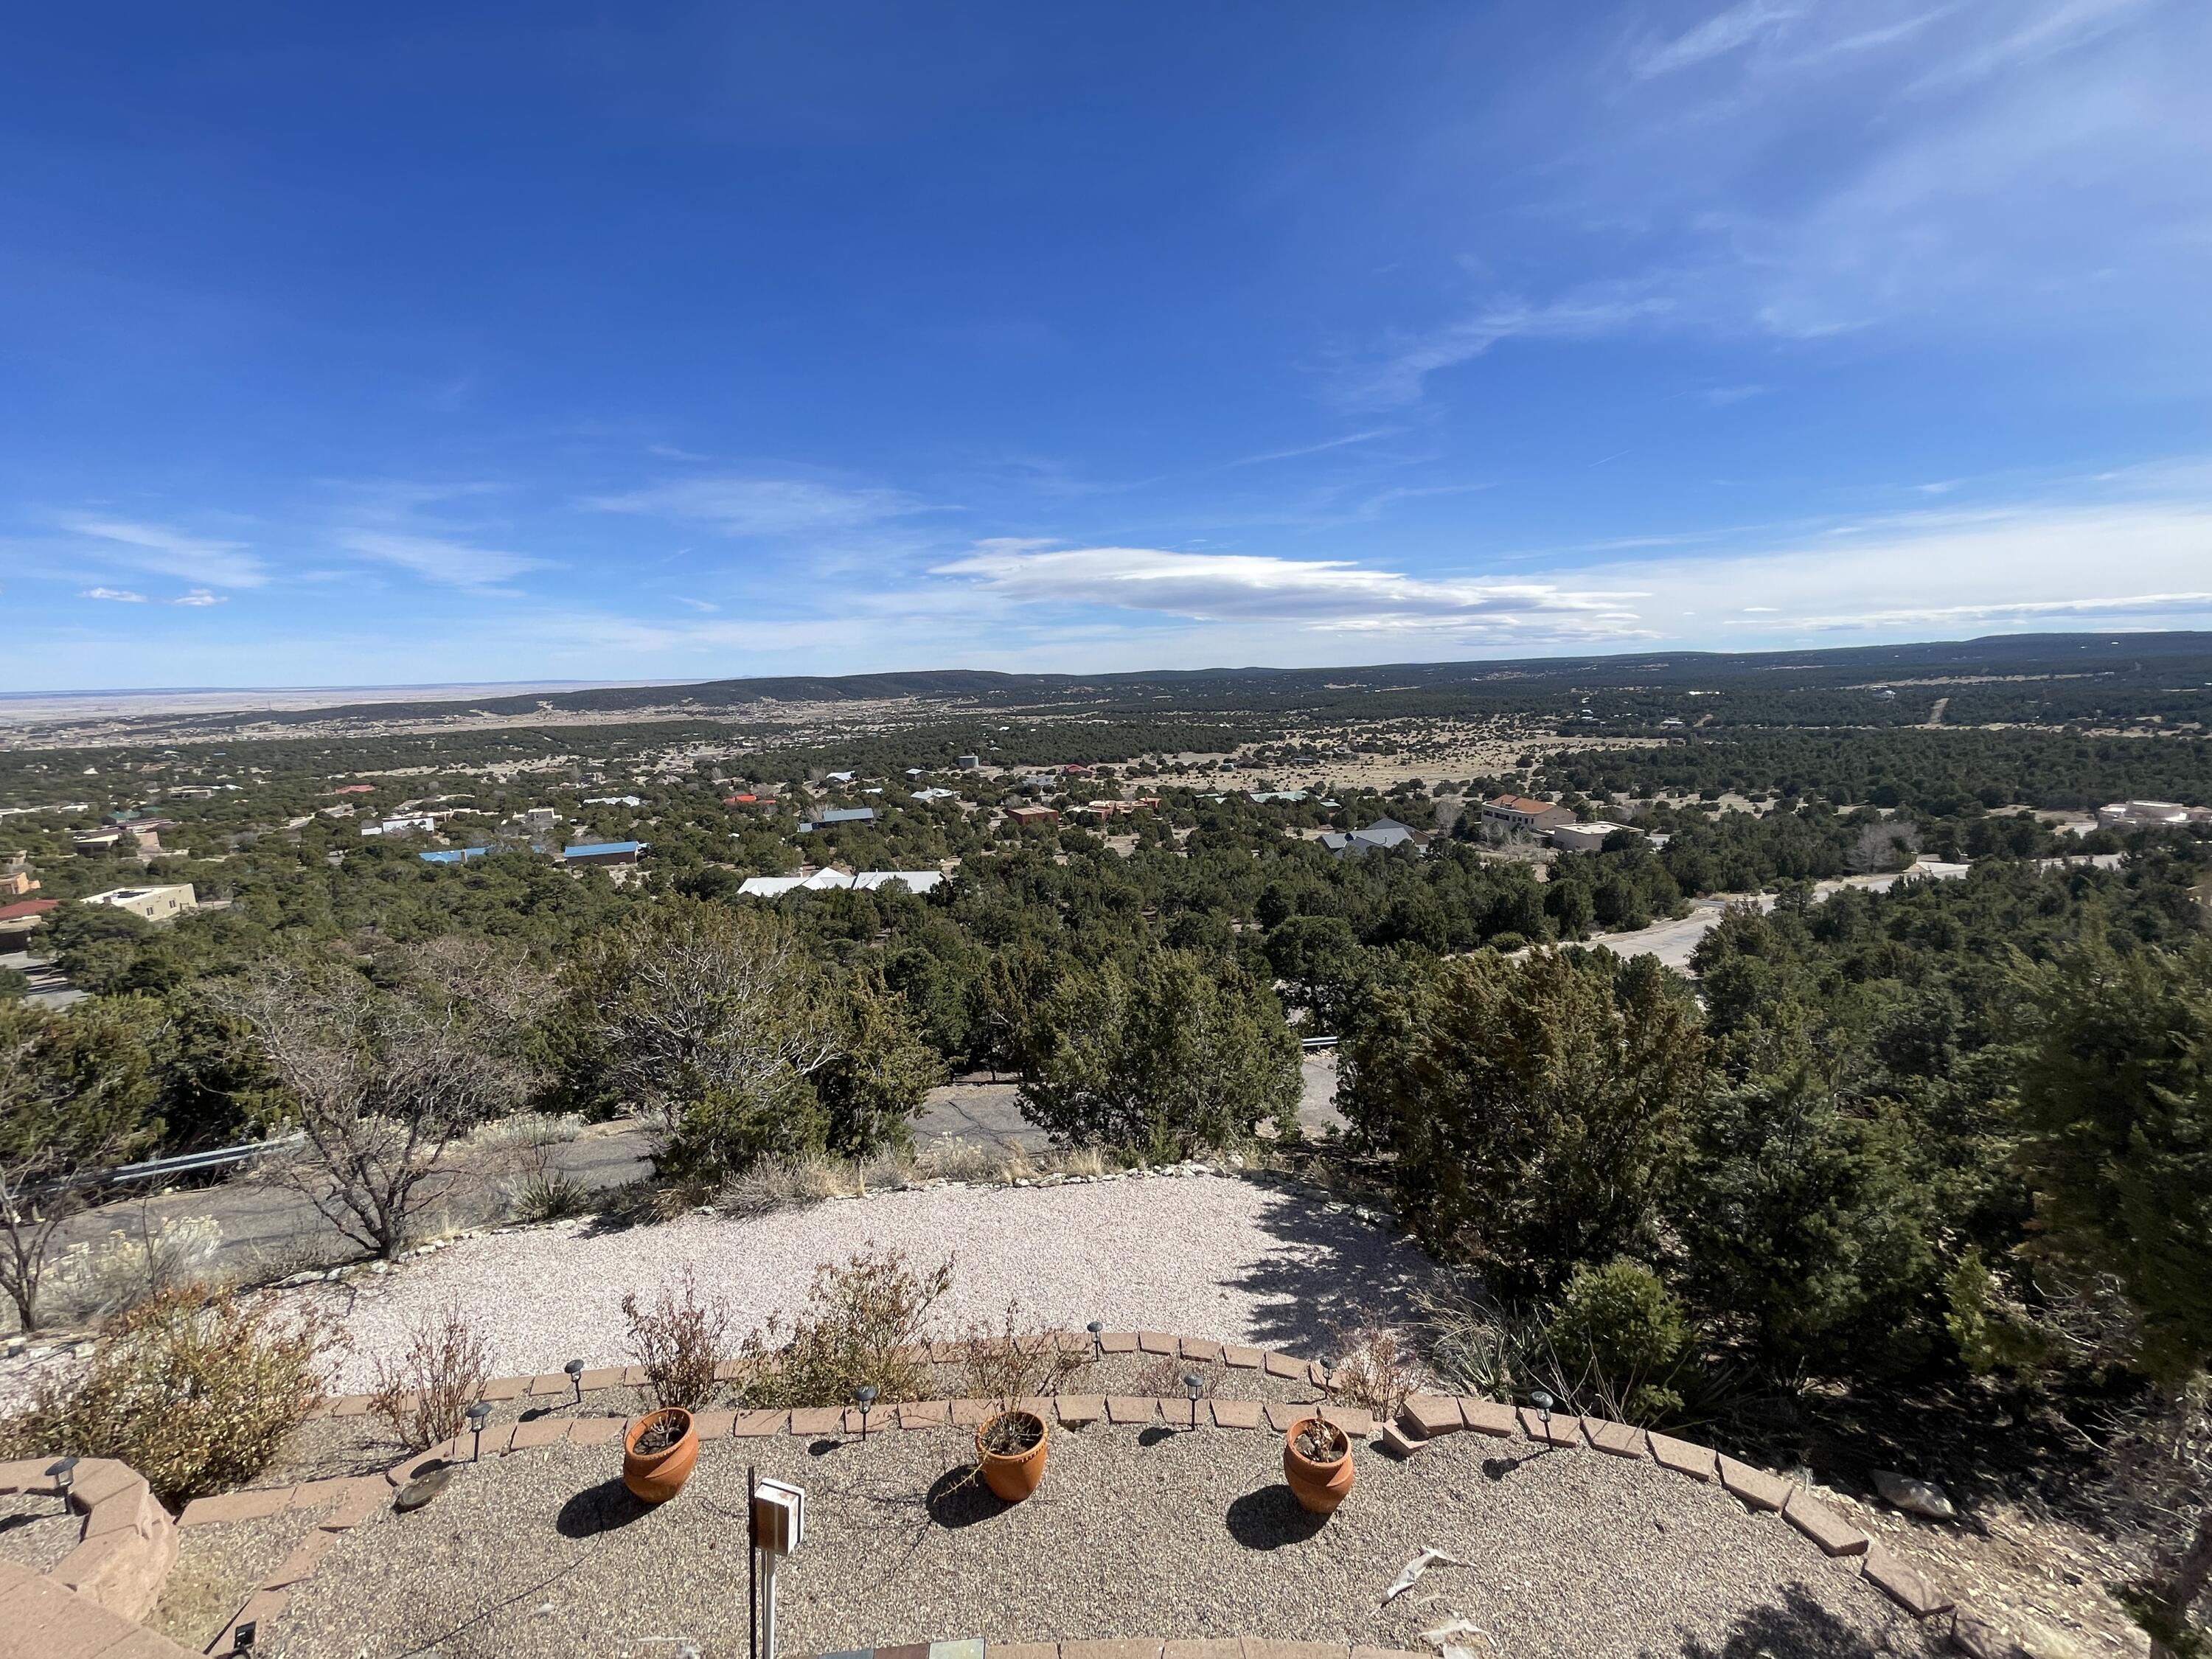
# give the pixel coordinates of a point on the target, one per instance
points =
(1096, 1327)
(1542, 1402)
(63, 1473)
(865, 1395)
(575, 1370)
(1190, 1387)
(479, 1415)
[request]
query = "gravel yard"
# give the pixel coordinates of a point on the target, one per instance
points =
(35, 1531)
(1135, 1533)
(1243, 1260)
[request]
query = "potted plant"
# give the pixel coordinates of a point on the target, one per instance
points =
(1011, 1448)
(1317, 1464)
(659, 1451)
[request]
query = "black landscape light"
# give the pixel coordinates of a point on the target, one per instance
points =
(866, 1396)
(1097, 1340)
(1542, 1402)
(243, 1638)
(575, 1370)
(63, 1473)
(1190, 1387)
(479, 1415)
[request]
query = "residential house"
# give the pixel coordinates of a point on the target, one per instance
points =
(1586, 837)
(602, 852)
(1379, 836)
(1524, 813)
(154, 903)
(1026, 816)
(18, 921)
(453, 854)
(917, 881)
(838, 815)
(2151, 815)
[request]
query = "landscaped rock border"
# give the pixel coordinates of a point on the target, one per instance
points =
(1231, 1647)
(1425, 1418)
(128, 1542)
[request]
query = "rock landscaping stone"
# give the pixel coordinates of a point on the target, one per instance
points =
(1201, 1351)
(539, 1431)
(1118, 1342)
(1914, 1496)
(236, 1506)
(1130, 1408)
(751, 1425)
(1396, 1442)
(1237, 1413)
(926, 1414)
(1562, 1430)
(1155, 1342)
(1080, 1411)
(815, 1421)
(1242, 1359)
(1281, 1364)
(424, 1488)
(1756, 1487)
(603, 1430)
(1903, 1584)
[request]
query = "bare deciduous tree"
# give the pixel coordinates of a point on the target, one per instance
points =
(389, 1071)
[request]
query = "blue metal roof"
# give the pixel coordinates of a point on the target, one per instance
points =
(454, 855)
(592, 847)
(846, 815)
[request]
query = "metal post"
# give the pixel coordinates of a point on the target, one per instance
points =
(767, 1611)
(752, 1571)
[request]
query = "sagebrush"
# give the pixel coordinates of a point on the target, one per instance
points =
(862, 1326)
(195, 1391)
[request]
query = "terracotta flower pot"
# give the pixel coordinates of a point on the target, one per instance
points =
(1012, 1475)
(656, 1477)
(1318, 1485)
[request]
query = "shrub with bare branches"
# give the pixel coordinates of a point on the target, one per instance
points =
(678, 1342)
(1376, 1367)
(1019, 1359)
(390, 1071)
(862, 1325)
(422, 1397)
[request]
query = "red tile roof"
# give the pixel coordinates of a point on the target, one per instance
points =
(28, 908)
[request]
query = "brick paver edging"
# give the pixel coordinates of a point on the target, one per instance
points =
(128, 1540)
(1425, 1418)
(1229, 1647)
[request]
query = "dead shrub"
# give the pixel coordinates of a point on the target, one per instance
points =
(1019, 1360)
(423, 1397)
(197, 1391)
(861, 1326)
(1376, 1367)
(678, 1342)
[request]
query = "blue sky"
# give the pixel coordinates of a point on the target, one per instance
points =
(416, 343)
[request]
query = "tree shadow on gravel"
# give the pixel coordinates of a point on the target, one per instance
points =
(959, 1498)
(1800, 1628)
(606, 1507)
(1326, 1269)
(1270, 1517)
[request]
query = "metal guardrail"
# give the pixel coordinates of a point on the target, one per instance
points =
(186, 1163)
(1318, 1042)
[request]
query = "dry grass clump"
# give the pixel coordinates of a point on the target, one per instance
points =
(1164, 1379)
(862, 1326)
(679, 1341)
(196, 1390)
(1018, 1360)
(423, 1398)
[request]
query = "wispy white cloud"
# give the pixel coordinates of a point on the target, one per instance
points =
(1723, 32)
(438, 559)
(1334, 595)
(1402, 373)
(198, 597)
(119, 595)
(169, 552)
(751, 505)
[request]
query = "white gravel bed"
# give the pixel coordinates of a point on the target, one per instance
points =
(1235, 1259)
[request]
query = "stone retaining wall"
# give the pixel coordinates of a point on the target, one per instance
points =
(129, 1540)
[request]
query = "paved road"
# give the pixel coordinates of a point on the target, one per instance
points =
(1674, 942)
(48, 988)
(258, 1217)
